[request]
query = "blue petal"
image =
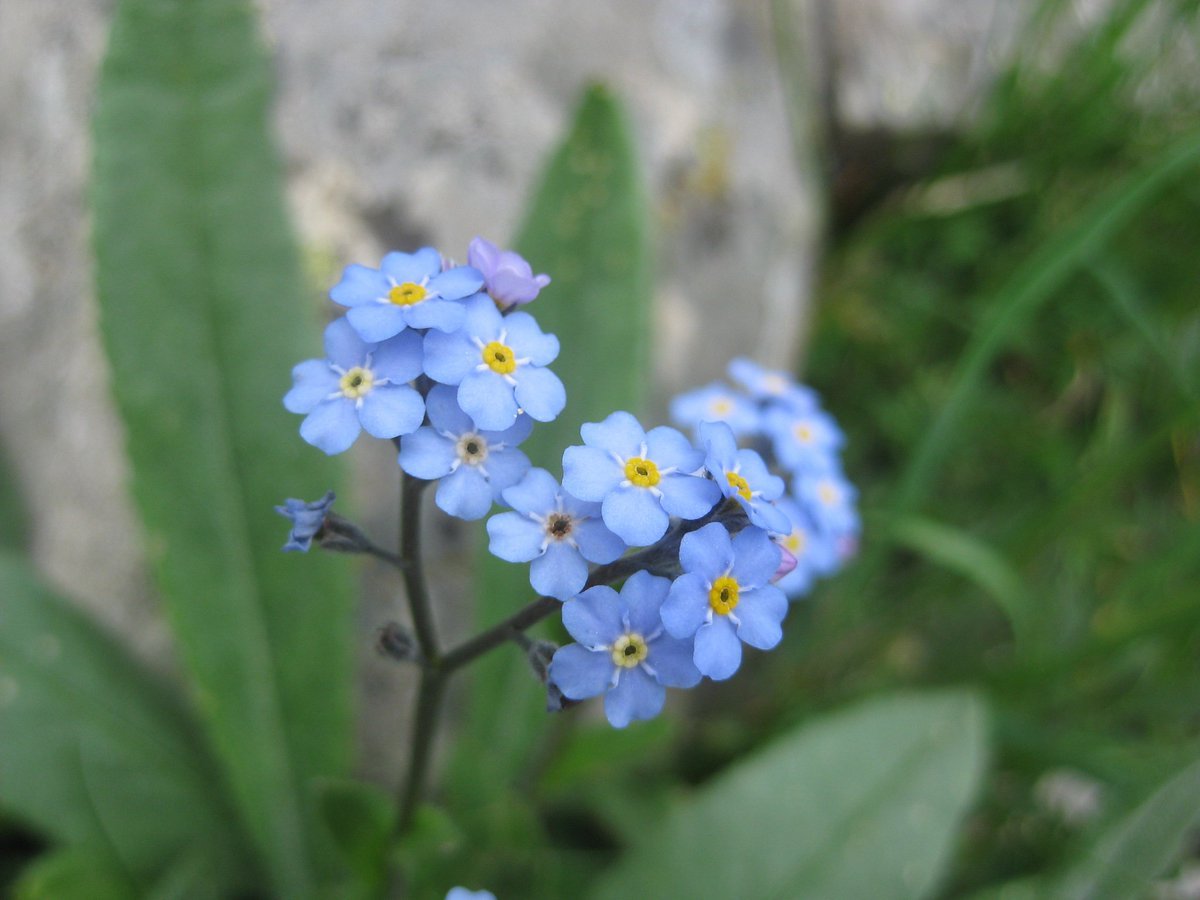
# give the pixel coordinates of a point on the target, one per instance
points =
(707, 551)
(456, 283)
(376, 322)
(540, 393)
(671, 660)
(512, 436)
(643, 595)
(444, 315)
(636, 696)
(754, 470)
(426, 454)
(560, 573)
(444, 412)
(633, 513)
(720, 444)
(343, 346)
(596, 542)
(359, 285)
(514, 537)
(464, 493)
(483, 319)
(449, 357)
(718, 651)
(620, 433)
(398, 359)
(765, 515)
(688, 496)
(527, 339)
(594, 617)
(391, 410)
(332, 426)
(590, 473)
(669, 447)
(580, 673)
(414, 267)
(504, 469)
(759, 615)
(756, 557)
(686, 606)
(488, 399)
(536, 493)
(314, 382)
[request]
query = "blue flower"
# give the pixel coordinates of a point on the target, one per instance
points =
(816, 552)
(801, 439)
(408, 290)
(623, 651)
(358, 386)
(307, 520)
(828, 498)
(461, 893)
(474, 465)
(497, 362)
(641, 479)
(742, 475)
(555, 532)
(716, 403)
(768, 384)
(507, 277)
(724, 596)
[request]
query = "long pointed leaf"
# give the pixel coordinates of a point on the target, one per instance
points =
(200, 293)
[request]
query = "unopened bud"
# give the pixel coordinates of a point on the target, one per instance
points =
(787, 562)
(397, 642)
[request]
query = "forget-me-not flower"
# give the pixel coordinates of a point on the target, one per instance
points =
(801, 439)
(358, 386)
(716, 402)
(307, 519)
(770, 384)
(640, 478)
(554, 532)
(507, 277)
(742, 475)
(408, 290)
(829, 498)
(815, 551)
(622, 650)
(472, 465)
(725, 597)
(497, 362)
(462, 893)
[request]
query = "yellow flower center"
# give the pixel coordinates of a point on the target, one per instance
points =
(471, 449)
(356, 382)
(641, 472)
(795, 542)
(723, 595)
(803, 432)
(499, 358)
(739, 484)
(628, 650)
(720, 406)
(407, 294)
(774, 384)
(828, 494)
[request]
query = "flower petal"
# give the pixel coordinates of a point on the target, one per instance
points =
(540, 393)
(456, 283)
(332, 426)
(671, 660)
(589, 473)
(464, 493)
(686, 606)
(505, 468)
(398, 359)
(527, 339)
(359, 285)
(619, 433)
(756, 557)
(376, 322)
(634, 514)
(668, 447)
(414, 267)
(707, 551)
(596, 542)
(426, 454)
(514, 537)
(391, 410)
(718, 651)
(488, 399)
(594, 617)
(343, 346)
(581, 673)
(449, 357)
(560, 572)
(534, 493)
(760, 614)
(313, 381)
(643, 595)
(443, 315)
(636, 696)
(688, 496)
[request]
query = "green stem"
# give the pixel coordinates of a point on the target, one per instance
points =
(412, 568)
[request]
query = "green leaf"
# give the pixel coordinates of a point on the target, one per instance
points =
(203, 316)
(1141, 847)
(962, 552)
(97, 755)
(74, 874)
(587, 228)
(865, 803)
(360, 817)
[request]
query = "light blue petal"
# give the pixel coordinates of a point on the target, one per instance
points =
(505, 468)
(514, 537)
(520, 430)
(376, 322)
(590, 473)
(398, 359)
(686, 606)
(634, 515)
(580, 673)
(719, 444)
(332, 426)
(754, 470)
(444, 413)
(359, 285)
(426, 454)
(707, 551)
(671, 660)
(759, 615)
(643, 595)
(534, 493)
(488, 399)
(636, 696)
(756, 557)
(768, 516)
(313, 381)
(444, 315)
(464, 493)
(391, 410)
(540, 393)
(343, 346)
(620, 433)
(483, 319)
(596, 542)
(561, 573)
(456, 283)
(527, 339)
(669, 448)
(594, 617)
(449, 357)
(718, 651)
(688, 496)
(414, 267)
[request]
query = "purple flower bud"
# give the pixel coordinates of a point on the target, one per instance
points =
(507, 277)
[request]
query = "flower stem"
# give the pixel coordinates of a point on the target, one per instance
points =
(429, 696)
(413, 568)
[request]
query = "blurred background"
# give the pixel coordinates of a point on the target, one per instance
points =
(962, 221)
